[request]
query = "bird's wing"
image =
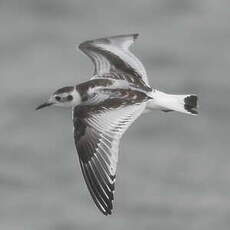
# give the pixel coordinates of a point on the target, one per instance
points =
(111, 54)
(97, 133)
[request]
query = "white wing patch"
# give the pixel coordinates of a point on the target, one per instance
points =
(97, 139)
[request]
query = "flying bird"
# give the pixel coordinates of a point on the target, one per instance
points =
(104, 107)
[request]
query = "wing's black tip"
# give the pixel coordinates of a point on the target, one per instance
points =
(107, 212)
(191, 103)
(135, 36)
(98, 187)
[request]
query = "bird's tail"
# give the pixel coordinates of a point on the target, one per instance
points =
(169, 102)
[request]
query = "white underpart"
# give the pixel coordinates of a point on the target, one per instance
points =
(76, 98)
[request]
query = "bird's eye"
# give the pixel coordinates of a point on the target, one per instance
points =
(57, 98)
(69, 97)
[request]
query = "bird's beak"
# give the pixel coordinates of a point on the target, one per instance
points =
(44, 105)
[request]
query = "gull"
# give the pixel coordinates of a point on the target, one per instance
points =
(104, 107)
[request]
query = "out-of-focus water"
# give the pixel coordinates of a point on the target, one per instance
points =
(174, 169)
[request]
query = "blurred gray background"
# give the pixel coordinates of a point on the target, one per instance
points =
(174, 169)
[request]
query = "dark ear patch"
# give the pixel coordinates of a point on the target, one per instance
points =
(57, 98)
(69, 98)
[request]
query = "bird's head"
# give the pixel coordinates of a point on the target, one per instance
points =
(64, 97)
